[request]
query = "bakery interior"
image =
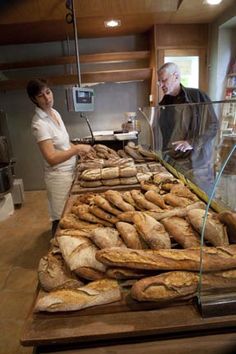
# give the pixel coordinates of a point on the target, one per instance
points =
(116, 68)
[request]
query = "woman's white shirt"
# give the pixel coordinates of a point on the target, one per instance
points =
(44, 128)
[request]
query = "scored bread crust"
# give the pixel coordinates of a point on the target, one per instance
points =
(214, 258)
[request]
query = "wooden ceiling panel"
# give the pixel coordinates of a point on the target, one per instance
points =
(32, 21)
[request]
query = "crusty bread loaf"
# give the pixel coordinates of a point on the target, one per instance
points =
(108, 218)
(96, 293)
(116, 198)
(90, 184)
(176, 201)
(156, 198)
(153, 232)
(182, 191)
(79, 252)
(103, 203)
(214, 258)
(106, 237)
(83, 212)
(181, 212)
(228, 218)
(181, 231)
(129, 234)
(126, 273)
(127, 171)
(180, 285)
(141, 201)
(215, 231)
(91, 175)
(53, 272)
(71, 221)
(111, 182)
(128, 180)
(110, 172)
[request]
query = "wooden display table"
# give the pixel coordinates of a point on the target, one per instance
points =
(95, 327)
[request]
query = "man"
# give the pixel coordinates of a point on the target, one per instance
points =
(187, 130)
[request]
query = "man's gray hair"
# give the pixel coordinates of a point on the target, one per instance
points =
(170, 68)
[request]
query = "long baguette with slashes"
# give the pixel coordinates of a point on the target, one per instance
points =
(214, 258)
(103, 291)
(178, 285)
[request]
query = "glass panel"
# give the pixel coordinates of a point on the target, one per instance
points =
(189, 68)
(208, 168)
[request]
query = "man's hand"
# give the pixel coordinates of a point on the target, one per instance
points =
(182, 145)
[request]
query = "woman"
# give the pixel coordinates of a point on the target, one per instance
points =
(58, 153)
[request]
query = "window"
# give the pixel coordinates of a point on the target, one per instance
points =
(189, 68)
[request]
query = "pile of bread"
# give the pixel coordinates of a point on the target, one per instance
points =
(149, 237)
(120, 172)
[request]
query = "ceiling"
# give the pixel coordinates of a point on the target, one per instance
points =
(32, 21)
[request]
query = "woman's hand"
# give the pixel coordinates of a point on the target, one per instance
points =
(83, 149)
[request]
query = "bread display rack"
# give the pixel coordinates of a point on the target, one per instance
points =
(114, 323)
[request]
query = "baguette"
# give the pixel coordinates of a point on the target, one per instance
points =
(110, 172)
(178, 285)
(96, 293)
(109, 219)
(214, 258)
(156, 198)
(127, 171)
(215, 231)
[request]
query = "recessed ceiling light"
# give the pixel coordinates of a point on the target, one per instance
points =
(112, 23)
(213, 2)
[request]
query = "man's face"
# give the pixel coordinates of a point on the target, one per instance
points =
(169, 83)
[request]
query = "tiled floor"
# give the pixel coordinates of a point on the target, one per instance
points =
(24, 239)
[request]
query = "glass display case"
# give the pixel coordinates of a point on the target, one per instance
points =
(197, 146)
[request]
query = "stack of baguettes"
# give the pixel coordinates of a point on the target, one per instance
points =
(149, 236)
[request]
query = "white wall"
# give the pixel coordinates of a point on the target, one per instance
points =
(111, 99)
(221, 51)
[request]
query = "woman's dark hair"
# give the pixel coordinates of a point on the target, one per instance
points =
(35, 86)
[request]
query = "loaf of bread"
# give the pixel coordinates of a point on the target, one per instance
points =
(214, 258)
(91, 175)
(116, 199)
(127, 171)
(130, 235)
(71, 221)
(90, 184)
(108, 218)
(153, 232)
(215, 231)
(181, 231)
(83, 212)
(126, 273)
(141, 201)
(228, 218)
(53, 272)
(182, 191)
(110, 172)
(104, 204)
(106, 237)
(156, 198)
(96, 293)
(79, 252)
(128, 180)
(176, 201)
(111, 182)
(178, 285)
(181, 212)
